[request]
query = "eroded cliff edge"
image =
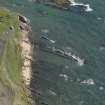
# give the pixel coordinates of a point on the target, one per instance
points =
(15, 59)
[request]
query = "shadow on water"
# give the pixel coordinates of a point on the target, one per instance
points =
(42, 83)
(37, 92)
(44, 79)
(35, 85)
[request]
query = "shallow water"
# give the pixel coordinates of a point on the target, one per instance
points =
(83, 35)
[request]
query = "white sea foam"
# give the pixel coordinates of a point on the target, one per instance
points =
(50, 92)
(101, 88)
(45, 31)
(88, 8)
(102, 48)
(88, 81)
(52, 41)
(75, 3)
(66, 67)
(81, 102)
(68, 48)
(71, 1)
(78, 59)
(80, 62)
(64, 76)
(99, 18)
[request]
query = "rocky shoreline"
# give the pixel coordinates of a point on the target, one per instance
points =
(15, 59)
(27, 50)
(26, 55)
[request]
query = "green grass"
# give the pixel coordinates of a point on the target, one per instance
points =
(13, 58)
(14, 65)
(10, 56)
(7, 18)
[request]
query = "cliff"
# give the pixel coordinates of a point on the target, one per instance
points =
(15, 59)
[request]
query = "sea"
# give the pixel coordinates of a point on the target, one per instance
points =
(55, 79)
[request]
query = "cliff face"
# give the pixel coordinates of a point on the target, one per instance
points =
(15, 59)
(27, 50)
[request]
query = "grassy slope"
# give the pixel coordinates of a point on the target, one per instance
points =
(10, 57)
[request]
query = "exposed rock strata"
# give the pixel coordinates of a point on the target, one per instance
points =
(27, 50)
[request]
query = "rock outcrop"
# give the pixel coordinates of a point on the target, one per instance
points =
(27, 50)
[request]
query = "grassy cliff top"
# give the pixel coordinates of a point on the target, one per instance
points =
(11, 85)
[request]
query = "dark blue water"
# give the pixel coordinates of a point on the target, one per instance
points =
(58, 81)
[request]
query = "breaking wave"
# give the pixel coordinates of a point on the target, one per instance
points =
(86, 6)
